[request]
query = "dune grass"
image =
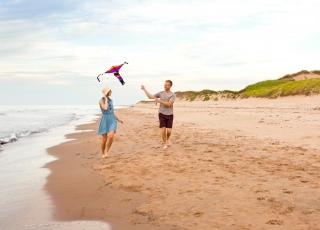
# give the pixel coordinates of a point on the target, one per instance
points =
(267, 89)
(291, 76)
(192, 95)
(276, 88)
(285, 86)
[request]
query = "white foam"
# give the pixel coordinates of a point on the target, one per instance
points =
(23, 121)
(23, 201)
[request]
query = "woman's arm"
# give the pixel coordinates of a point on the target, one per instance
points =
(118, 119)
(104, 105)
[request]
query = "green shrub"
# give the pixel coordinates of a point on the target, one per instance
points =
(193, 97)
(207, 98)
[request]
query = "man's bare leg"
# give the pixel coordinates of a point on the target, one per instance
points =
(103, 144)
(168, 136)
(109, 142)
(164, 137)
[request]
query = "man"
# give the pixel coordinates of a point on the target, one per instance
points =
(166, 99)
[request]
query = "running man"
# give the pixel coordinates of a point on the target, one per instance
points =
(166, 99)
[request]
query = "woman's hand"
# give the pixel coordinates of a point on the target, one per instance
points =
(120, 120)
(104, 105)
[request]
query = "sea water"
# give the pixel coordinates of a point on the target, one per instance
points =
(24, 120)
(23, 201)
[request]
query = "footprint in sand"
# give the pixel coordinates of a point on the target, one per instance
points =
(275, 222)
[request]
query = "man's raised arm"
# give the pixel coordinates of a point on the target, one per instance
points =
(149, 95)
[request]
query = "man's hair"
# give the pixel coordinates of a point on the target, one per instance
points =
(169, 81)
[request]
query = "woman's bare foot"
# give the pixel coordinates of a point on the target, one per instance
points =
(165, 147)
(168, 143)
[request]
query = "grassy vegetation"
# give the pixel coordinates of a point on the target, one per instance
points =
(276, 88)
(146, 102)
(291, 76)
(192, 95)
(207, 98)
(285, 86)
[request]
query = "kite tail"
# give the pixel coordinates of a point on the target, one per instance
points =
(120, 79)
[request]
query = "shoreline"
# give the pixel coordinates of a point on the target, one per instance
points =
(25, 204)
(29, 131)
(79, 192)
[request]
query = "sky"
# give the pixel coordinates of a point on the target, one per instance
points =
(52, 51)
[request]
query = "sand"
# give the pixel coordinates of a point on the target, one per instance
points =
(305, 76)
(242, 164)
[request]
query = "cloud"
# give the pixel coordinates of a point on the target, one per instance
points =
(196, 44)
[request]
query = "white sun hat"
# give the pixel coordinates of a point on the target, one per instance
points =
(106, 89)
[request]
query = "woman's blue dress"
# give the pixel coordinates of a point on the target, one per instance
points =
(108, 120)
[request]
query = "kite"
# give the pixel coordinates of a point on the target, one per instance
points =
(115, 70)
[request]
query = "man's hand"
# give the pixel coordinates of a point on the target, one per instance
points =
(157, 100)
(150, 96)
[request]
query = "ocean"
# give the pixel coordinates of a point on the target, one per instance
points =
(18, 121)
(26, 132)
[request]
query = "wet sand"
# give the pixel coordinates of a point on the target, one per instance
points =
(244, 164)
(24, 203)
(79, 192)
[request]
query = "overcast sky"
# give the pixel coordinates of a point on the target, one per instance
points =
(52, 51)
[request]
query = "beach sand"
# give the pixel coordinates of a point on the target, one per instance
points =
(233, 164)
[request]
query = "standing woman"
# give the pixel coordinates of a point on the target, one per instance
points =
(108, 122)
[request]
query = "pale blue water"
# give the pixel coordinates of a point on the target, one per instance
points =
(24, 202)
(24, 120)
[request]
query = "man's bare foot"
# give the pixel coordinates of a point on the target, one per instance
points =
(169, 143)
(105, 155)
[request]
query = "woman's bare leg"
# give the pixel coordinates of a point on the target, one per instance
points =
(109, 142)
(103, 144)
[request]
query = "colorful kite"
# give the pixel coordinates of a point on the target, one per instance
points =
(115, 69)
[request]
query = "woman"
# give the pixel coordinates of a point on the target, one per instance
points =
(108, 122)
